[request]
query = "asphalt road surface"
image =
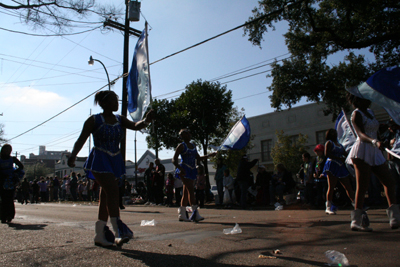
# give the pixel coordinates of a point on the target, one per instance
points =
(62, 235)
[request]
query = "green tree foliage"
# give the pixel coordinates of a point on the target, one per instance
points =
(318, 29)
(287, 152)
(36, 170)
(205, 108)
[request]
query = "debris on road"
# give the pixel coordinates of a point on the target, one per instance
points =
(232, 231)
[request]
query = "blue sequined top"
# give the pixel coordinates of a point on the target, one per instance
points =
(107, 136)
(188, 162)
(105, 156)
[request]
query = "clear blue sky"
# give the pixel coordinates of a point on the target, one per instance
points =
(41, 76)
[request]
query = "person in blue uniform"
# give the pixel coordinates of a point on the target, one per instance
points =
(335, 169)
(105, 163)
(8, 180)
(187, 172)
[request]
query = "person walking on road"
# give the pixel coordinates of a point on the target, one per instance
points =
(105, 163)
(8, 182)
(187, 172)
(335, 169)
(366, 157)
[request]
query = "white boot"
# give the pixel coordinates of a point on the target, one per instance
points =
(99, 238)
(182, 215)
(120, 238)
(393, 212)
(328, 208)
(359, 221)
(195, 215)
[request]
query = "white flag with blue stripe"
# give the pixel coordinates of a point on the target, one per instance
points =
(238, 137)
(138, 83)
(345, 133)
(382, 88)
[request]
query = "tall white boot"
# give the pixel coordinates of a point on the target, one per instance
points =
(120, 237)
(195, 215)
(393, 212)
(182, 214)
(359, 221)
(328, 208)
(100, 238)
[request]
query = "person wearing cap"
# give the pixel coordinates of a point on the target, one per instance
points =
(243, 178)
(321, 184)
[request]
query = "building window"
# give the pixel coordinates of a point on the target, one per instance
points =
(320, 137)
(266, 146)
(293, 139)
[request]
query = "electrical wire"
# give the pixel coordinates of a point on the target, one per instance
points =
(228, 31)
(50, 35)
(58, 114)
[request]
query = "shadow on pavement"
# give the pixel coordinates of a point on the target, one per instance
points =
(132, 211)
(158, 259)
(33, 227)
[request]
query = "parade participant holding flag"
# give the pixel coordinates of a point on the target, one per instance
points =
(187, 172)
(366, 157)
(105, 163)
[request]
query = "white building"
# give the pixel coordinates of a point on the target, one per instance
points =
(308, 120)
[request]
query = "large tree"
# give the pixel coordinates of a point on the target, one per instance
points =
(58, 15)
(287, 152)
(205, 108)
(319, 29)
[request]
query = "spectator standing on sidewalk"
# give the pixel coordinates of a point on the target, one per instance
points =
(219, 180)
(243, 178)
(43, 189)
(158, 185)
(149, 179)
(200, 186)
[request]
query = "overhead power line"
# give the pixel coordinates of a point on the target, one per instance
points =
(58, 114)
(50, 35)
(231, 30)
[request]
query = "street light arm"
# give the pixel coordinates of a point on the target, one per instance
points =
(108, 77)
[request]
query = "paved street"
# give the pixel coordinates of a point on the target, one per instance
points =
(62, 235)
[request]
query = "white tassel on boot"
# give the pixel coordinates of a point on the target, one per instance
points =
(182, 215)
(359, 221)
(393, 212)
(328, 208)
(195, 215)
(119, 240)
(100, 238)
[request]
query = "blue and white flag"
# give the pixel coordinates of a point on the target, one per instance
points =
(382, 88)
(238, 137)
(138, 84)
(345, 133)
(395, 150)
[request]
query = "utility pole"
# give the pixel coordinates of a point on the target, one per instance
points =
(124, 108)
(127, 31)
